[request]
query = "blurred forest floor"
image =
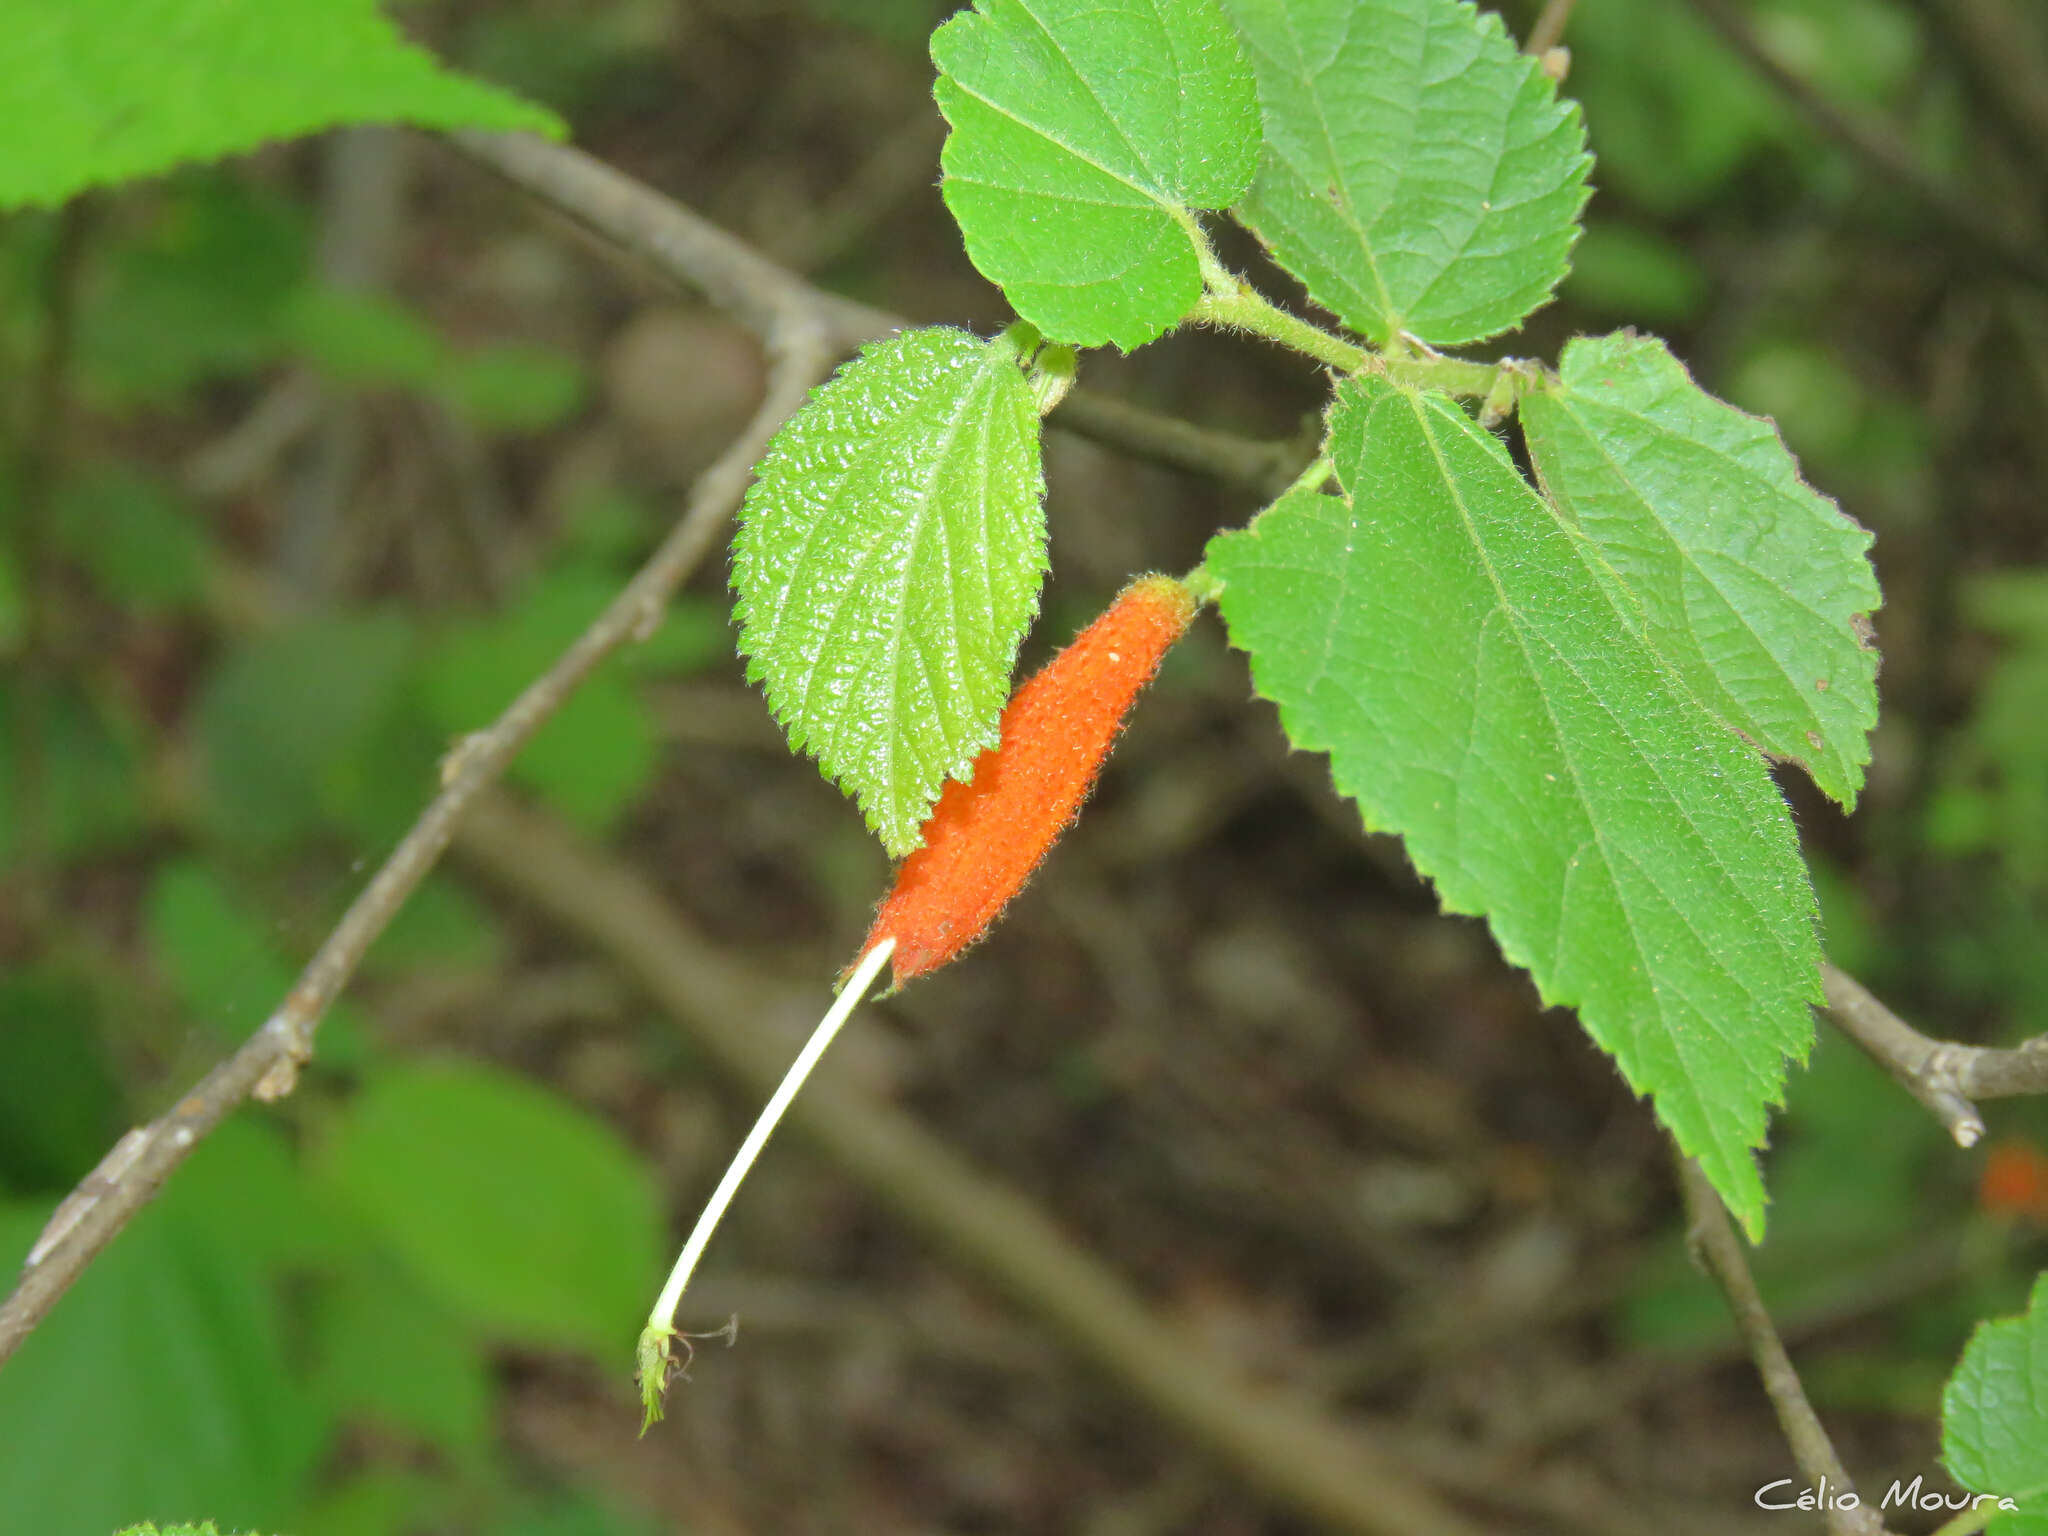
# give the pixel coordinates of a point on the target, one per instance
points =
(295, 545)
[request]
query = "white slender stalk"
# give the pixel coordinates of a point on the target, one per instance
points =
(654, 1340)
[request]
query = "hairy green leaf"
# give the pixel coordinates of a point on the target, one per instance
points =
(1751, 584)
(1457, 650)
(1420, 174)
(1084, 136)
(1994, 1416)
(888, 561)
(106, 90)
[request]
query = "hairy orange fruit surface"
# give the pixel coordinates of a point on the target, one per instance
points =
(987, 834)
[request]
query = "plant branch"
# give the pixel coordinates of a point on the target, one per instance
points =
(1274, 1438)
(1548, 31)
(1714, 1243)
(2019, 251)
(1943, 1075)
(1236, 305)
(679, 243)
(804, 338)
(1266, 468)
(685, 247)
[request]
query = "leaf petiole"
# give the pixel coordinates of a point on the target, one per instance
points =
(1230, 301)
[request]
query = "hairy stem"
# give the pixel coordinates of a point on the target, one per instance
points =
(1234, 303)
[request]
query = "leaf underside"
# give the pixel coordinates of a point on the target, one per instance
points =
(1420, 175)
(888, 562)
(1750, 583)
(1083, 137)
(1457, 649)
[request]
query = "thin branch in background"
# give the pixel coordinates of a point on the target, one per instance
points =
(1943, 1075)
(1548, 32)
(686, 247)
(1902, 1051)
(1714, 1242)
(679, 243)
(2019, 251)
(1266, 468)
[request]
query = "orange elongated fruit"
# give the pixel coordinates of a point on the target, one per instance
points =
(988, 833)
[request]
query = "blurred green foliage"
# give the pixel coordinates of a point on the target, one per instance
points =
(1989, 809)
(232, 765)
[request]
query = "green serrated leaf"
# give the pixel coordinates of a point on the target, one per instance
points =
(1455, 648)
(1420, 174)
(1084, 136)
(106, 90)
(1751, 584)
(1994, 1416)
(510, 1205)
(887, 564)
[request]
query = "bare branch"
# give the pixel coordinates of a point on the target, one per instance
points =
(2018, 250)
(1267, 468)
(689, 249)
(682, 245)
(1714, 1242)
(1902, 1051)
(1941, 1074)
(1548, 33)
